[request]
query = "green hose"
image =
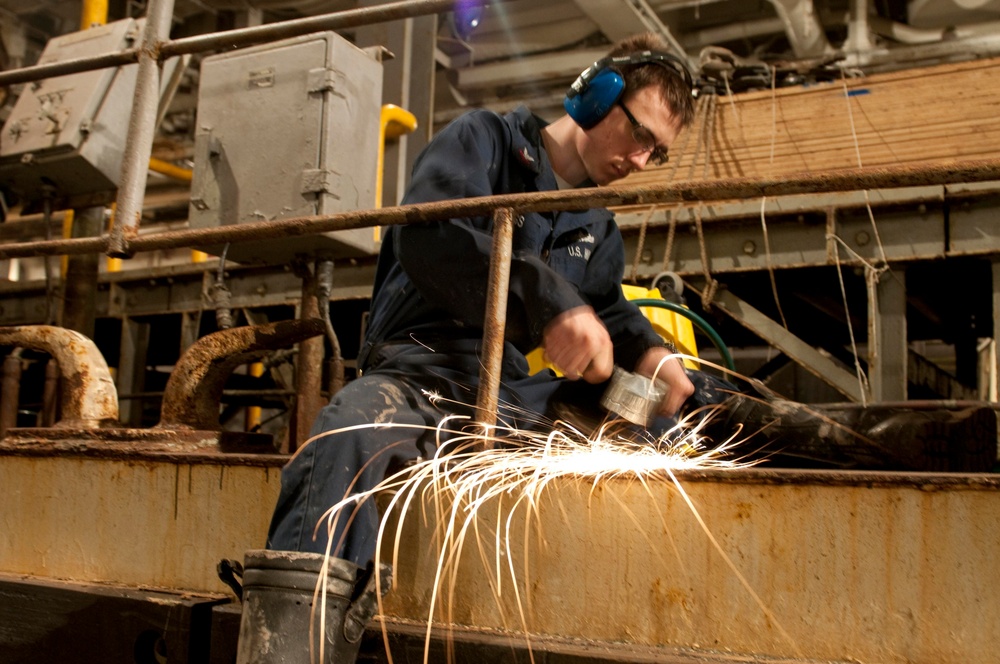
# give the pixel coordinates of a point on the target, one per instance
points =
(697, 321)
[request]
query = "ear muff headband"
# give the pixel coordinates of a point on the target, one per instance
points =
(601, 85)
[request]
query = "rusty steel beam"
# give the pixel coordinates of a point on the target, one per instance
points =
(308, 370)
(10, 389)
(191, 397)
(88, 395)
(39, 72)
(228, 39)
(495, 321)
(350, 18)
(671, 192)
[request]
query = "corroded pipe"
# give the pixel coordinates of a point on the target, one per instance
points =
(88, 395)
(495, 320)
(350, 18)
(191, 398)
(571, 199)
(10, 389)
(49, 410)
(230, 38)
(308, 370)
(141, 128)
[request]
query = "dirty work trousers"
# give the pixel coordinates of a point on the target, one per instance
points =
(347, 454)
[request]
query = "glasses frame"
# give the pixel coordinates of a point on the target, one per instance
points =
(644, 138)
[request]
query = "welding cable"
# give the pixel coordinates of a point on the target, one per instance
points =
(698, 322)
(222, 299)
(324, 287)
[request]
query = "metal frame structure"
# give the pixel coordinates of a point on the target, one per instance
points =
(124, 240)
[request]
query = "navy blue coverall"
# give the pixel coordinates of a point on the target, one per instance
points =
(425, 325)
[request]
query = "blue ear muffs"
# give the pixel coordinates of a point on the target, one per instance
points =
(597, 94)
(601, 85)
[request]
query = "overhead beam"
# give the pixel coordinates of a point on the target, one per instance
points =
(802, 353)
(627, 17)
(564, 65)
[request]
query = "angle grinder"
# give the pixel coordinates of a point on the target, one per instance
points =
(633, 397)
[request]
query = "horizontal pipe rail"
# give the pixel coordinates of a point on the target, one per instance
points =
(40, 72)
(578, 199)
(232, 38)
(350, 18)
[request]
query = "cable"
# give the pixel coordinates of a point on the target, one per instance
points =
(698, 322)
(324, 287)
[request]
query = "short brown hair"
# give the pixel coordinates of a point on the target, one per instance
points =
(672, 85)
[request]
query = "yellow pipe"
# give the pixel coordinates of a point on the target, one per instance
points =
(114, 264)
(67, 232)
(394, 122)
(93, 12)
(178, 173)
(254, 412)
(170, 170)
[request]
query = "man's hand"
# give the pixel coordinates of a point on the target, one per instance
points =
(579, 345)
(670, 372)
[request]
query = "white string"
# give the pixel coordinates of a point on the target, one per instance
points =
(862, 378)
(767, 260)
(763, 204)
(857, 152)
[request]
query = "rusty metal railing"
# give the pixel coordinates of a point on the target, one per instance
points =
(506, 206)
(124, 241)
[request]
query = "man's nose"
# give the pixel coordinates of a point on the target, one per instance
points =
(639, 159)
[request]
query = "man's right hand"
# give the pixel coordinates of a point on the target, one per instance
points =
(579, 345)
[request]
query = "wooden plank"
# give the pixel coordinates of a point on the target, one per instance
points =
(937, 114)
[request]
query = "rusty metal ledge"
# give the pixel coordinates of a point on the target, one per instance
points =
(852, 478)
(160, 445)
(237, 448)
(407, 644)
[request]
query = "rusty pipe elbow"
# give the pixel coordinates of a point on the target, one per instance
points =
(191, 398)
(88, 394)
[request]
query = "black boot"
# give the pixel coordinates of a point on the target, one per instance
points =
(278, 607)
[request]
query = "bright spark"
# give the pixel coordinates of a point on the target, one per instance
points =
(462, 477)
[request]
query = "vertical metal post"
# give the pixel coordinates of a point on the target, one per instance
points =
(308, 371)
(887, 347)
(10, 391)
(495, 320)
(130, 378)
(141, 127)
(48, 414)
(79, 305)
(991, 388)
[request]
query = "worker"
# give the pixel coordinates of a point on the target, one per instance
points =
(425, 328)
(422, 352)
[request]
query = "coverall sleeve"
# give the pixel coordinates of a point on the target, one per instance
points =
(631, 332)
(448, 262)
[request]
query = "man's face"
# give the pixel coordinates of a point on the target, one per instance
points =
(610, 149)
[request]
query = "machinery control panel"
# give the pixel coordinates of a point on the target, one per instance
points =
(65, 136)
(284, 130)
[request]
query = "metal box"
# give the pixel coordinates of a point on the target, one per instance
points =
(284, 130)
(65, 136)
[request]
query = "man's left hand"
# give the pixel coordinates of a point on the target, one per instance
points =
(671, 371)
